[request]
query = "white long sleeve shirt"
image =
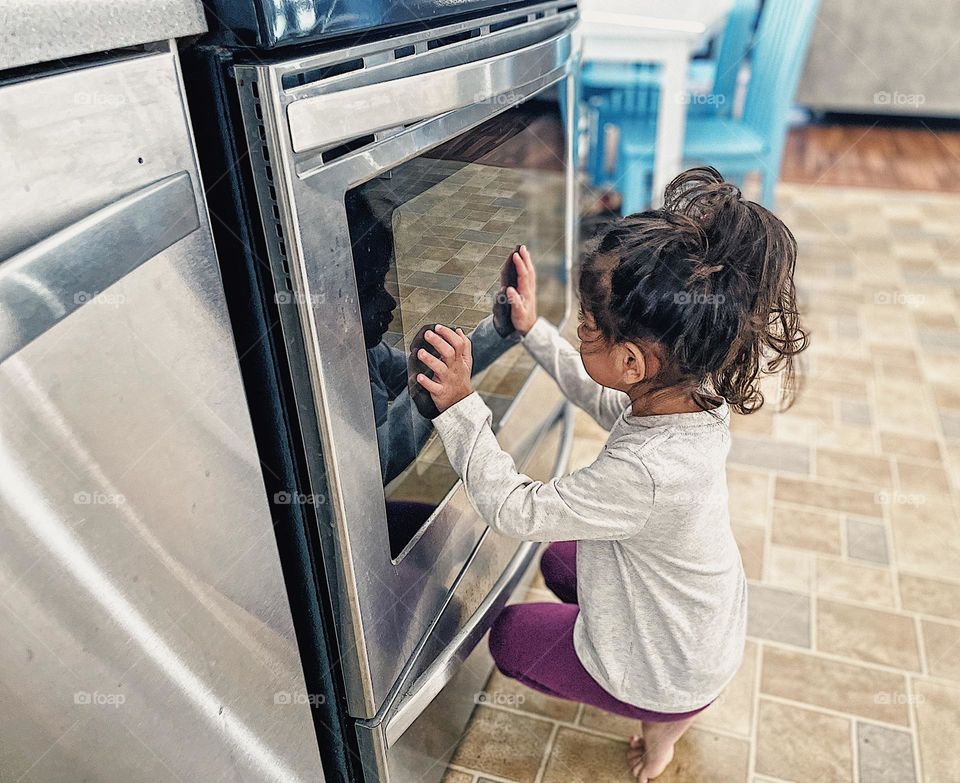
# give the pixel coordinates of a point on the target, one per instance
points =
(660, 583)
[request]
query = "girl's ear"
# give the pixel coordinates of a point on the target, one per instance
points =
(639, 363)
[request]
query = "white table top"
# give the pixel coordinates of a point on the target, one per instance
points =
(648, 22)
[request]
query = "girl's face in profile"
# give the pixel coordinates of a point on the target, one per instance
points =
(615, 365)
(599, 358)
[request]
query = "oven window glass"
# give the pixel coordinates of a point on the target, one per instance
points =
(429, 239)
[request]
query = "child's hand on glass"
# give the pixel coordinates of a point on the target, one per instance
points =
(451, 372)
(523, 298)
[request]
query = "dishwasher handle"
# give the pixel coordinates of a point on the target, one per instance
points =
(45, 283)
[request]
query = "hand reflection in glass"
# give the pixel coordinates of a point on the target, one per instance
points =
(401, 430)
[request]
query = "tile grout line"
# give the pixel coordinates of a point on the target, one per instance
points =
(768, 529)
(755, 712)
(566, 724)
(870, 564)
(874, 666)
(871, 387)
(891, 545)
(942, 443)
(476, 774)
(855, 750)
(860, 604)
(921, 646)
(814, 608)
(844, 555)
(841, 598)
(892, 552)
(821, 710)
(914, 734)
(547, 753)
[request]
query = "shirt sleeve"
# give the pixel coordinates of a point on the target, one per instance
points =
(562, 361)
(391, 367)
(401, 430)
(487, 345)
(608, 500)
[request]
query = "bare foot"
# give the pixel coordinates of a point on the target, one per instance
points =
(643, 766)
(650, 754)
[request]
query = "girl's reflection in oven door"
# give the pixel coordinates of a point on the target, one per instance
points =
(428, 240)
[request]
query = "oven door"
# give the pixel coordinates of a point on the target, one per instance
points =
(394, 180)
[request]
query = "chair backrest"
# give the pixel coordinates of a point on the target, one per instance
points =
(779, 51)
(733, 47)
(640, 100)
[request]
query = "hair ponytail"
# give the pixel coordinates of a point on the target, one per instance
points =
(709, 276)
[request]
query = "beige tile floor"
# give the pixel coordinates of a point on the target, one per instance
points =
(845, 508)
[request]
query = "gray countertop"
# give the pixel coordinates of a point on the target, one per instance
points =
(39, 31)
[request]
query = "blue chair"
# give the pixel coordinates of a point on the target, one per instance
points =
(735, 146)
(618, 92)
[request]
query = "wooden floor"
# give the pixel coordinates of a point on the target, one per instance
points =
(870, 155)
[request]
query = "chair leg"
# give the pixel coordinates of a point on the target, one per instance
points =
(596, 158)
(768, 184)
(635, 186)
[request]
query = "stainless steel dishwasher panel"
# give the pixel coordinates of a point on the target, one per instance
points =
(146, 630)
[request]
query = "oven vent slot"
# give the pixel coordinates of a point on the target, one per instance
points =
(446, 40)
(497, 26)
(319, 74)
(352, 145)
(411, 47)
(260, 160)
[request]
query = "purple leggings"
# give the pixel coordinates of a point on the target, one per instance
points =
(533, 643)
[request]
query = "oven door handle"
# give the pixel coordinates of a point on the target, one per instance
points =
(331, 118)
(45, 283)
(441, 671)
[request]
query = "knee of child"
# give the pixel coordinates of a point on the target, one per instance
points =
(550, 562)
(500, 632)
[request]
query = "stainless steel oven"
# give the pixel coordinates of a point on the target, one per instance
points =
(394, 179)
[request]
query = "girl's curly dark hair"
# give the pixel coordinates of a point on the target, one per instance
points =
(709, 279)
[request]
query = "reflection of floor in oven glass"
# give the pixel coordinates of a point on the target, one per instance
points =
(450, 243)
(452, 240)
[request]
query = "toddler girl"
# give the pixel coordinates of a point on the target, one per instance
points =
(683, 310)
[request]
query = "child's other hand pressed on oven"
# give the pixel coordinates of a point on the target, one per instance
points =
(451, 372)
(523, 298)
